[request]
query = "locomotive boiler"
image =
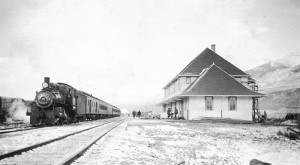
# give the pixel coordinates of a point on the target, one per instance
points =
(59, 103)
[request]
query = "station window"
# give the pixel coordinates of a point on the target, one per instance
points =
(188, 80)
(232, 101)
(209, 102)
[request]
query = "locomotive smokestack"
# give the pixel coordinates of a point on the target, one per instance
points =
(47, 80)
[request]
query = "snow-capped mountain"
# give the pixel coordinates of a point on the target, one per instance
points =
(278, 75)
(280, 81)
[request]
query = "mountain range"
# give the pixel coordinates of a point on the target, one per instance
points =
(280, 81)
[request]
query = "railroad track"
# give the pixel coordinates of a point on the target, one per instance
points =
(10, 130)
(16, 129)
(61, 150)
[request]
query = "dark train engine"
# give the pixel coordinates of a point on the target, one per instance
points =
(54, 104)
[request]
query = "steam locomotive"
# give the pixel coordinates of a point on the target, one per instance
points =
(59, 103)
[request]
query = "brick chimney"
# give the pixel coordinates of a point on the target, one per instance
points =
(213, 47)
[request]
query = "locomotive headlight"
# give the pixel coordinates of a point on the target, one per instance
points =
(45, 85)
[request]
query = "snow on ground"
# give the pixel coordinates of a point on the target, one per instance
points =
(16, 140)
(160, 142)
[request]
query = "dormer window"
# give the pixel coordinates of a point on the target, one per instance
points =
(188, 80)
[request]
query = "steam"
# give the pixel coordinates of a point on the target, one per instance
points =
(17, 111)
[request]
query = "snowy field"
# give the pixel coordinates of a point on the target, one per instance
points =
(160, 142)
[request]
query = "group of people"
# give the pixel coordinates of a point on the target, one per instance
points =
(170, 114)
(138, 114)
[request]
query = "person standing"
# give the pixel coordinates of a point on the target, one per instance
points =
(169, 112)
(133, 113)
(176, 112)
(139, 114)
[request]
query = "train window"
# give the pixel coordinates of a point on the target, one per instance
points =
(103, 107)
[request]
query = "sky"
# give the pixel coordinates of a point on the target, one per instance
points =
(124, 52)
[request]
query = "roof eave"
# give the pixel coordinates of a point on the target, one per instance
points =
(179, 75)
(188, 95)
(170, 82)
(245, 75)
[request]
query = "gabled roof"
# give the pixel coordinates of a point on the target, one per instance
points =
(215, 81)
(205, 59)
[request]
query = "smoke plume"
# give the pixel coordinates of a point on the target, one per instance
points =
(17, 111)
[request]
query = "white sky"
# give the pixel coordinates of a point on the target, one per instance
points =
(124, 52)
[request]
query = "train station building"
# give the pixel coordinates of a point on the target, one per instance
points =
(210, 86)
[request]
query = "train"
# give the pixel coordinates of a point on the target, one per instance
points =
(60, 103)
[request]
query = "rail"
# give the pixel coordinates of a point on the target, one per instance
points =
(19, 151)
(83, 149)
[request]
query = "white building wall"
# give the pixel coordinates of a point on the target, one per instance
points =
(244, 80)
(177, 87)
(220, 105)
(186, 107)
(244, 109)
